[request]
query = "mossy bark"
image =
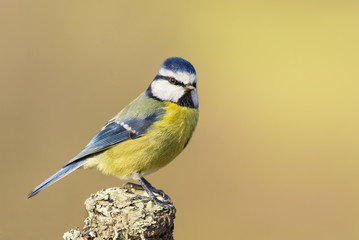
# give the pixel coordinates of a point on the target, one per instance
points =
(116, 214)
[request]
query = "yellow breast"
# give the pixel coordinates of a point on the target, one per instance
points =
(163, 141)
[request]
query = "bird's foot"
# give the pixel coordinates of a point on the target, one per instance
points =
(135, 186)
(166, 202)
(155, 190)
(162, 194)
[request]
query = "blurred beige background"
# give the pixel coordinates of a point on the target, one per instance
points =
(275, 155)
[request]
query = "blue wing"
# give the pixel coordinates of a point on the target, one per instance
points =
(115, 132)
(112, 133)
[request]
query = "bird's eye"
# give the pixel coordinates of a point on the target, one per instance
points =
(172, 81)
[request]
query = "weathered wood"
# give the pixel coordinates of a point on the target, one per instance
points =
(115, 213)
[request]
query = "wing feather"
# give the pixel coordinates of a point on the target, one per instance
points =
(123, 127)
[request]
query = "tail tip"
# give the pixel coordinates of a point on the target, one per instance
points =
(31, 194)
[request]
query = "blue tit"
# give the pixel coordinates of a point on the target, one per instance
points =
(147, 134)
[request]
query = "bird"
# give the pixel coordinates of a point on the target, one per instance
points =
(145, 135)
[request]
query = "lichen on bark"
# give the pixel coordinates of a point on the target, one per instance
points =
(116, 214)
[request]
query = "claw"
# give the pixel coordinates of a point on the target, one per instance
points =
(164, 204)
(162, 193)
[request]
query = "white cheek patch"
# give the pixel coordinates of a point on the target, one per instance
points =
(184, 77)
(166, 91)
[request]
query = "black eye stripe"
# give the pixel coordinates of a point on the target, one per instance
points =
(178, 83)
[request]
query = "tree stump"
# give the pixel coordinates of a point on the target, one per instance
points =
(116, 214)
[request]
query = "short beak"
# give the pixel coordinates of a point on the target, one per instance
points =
(189, 88)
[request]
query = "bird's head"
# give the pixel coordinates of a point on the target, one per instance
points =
(175, 82)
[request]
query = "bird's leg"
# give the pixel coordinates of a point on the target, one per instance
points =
(135, 186)
(158, 191)
(148, 188)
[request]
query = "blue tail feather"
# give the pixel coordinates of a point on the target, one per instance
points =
(57, 176)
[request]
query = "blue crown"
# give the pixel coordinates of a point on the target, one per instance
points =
(177, 64)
